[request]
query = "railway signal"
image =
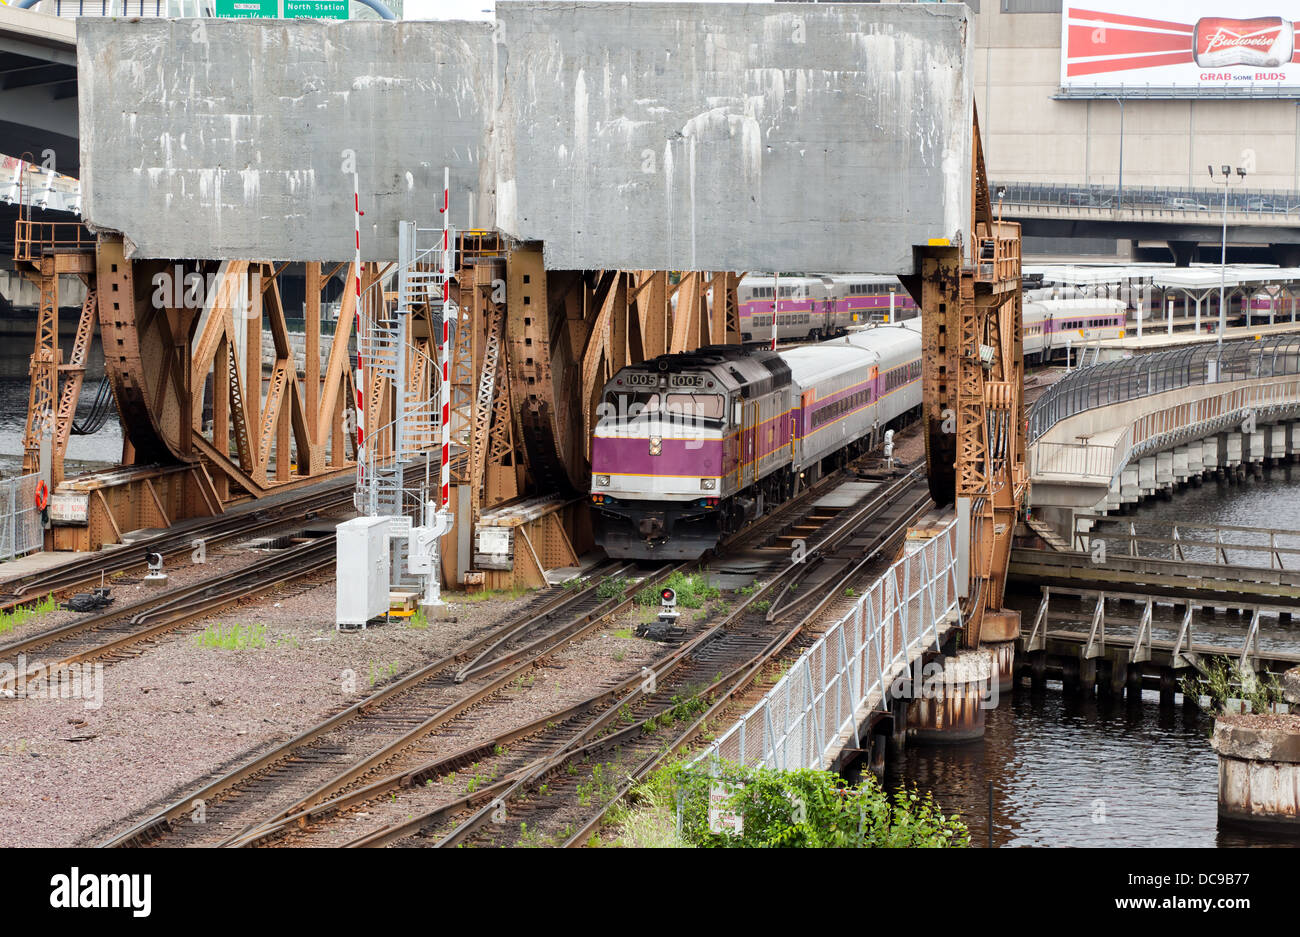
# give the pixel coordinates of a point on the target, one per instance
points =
(665, 626)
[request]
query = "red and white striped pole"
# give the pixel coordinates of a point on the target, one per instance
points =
(444, 349)
(356, 312)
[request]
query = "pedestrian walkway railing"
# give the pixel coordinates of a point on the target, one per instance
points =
(818, 707)
(20, 524)
(1167, 427)
(1129, 378)
(1222, 544)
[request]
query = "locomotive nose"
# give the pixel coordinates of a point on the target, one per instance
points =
(651, 526)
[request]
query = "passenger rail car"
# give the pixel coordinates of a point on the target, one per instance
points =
(1050, 325)
(1265, 308)
(818, 307)
(691, 447)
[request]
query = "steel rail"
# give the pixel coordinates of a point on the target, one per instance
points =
(552, 602)
(170, 543)
(580, 836)
(176, 608)
(542, 648)
(550, 607)
(749, 667)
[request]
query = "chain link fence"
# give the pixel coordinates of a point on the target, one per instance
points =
(816, 708)
(20, 525)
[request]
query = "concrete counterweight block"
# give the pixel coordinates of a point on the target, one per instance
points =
(949, 699)
(1181, 469)
(1259, 771)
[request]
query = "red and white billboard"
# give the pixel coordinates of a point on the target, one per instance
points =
(1246, 45)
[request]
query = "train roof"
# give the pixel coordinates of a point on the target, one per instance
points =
(811, 363)
(1077, 304)
(882, 345)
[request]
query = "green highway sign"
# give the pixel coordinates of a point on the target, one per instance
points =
(316, 9)
(282, 9)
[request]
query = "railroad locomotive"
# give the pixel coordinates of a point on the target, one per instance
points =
(690, 447)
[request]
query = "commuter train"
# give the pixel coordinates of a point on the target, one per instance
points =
(1262, 308)
(1052, 324)
(816, 307)
(691, 447)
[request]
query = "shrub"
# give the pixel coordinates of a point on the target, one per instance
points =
(804, 808)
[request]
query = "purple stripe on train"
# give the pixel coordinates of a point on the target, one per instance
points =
(612, 456)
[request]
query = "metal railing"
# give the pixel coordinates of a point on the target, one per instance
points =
(1063, 458)
(33, 239)
(141, 8)
(20, 525)
(1129, 378)
(818, 705)
(1149, 199)
(1220, 544)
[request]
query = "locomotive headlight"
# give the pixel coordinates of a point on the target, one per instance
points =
(601, 481)
(656, 445)
(708, 484)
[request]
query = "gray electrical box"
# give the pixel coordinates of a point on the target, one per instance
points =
(362, 567)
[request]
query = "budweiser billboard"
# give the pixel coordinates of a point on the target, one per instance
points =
(1247, 46)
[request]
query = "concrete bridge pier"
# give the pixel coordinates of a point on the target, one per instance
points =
(1230, 450)
(1253, 452)
(1147, 476)
(950, 703)
(1275, 451)
(1259, 772)
(1292, 441)
(1165, 472)
(1181, 468)
(1184, 252)
(1128, 485)
(998, 635)
(1114, 501)
(1210, 455)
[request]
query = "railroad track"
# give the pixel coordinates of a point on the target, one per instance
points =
(115, 632)
(397, 725)
(561, 797)
(242, 526)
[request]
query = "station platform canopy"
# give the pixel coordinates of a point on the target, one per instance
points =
(1165, 276)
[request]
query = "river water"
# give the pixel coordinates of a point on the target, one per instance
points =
(1085, 771)
(85, 453)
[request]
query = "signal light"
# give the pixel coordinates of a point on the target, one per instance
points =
(667, 597)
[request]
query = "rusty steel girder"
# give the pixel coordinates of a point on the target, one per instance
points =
(128, 344)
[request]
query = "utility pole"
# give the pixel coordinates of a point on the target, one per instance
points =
(1223, 250)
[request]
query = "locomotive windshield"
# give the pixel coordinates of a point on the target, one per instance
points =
(626, 406)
